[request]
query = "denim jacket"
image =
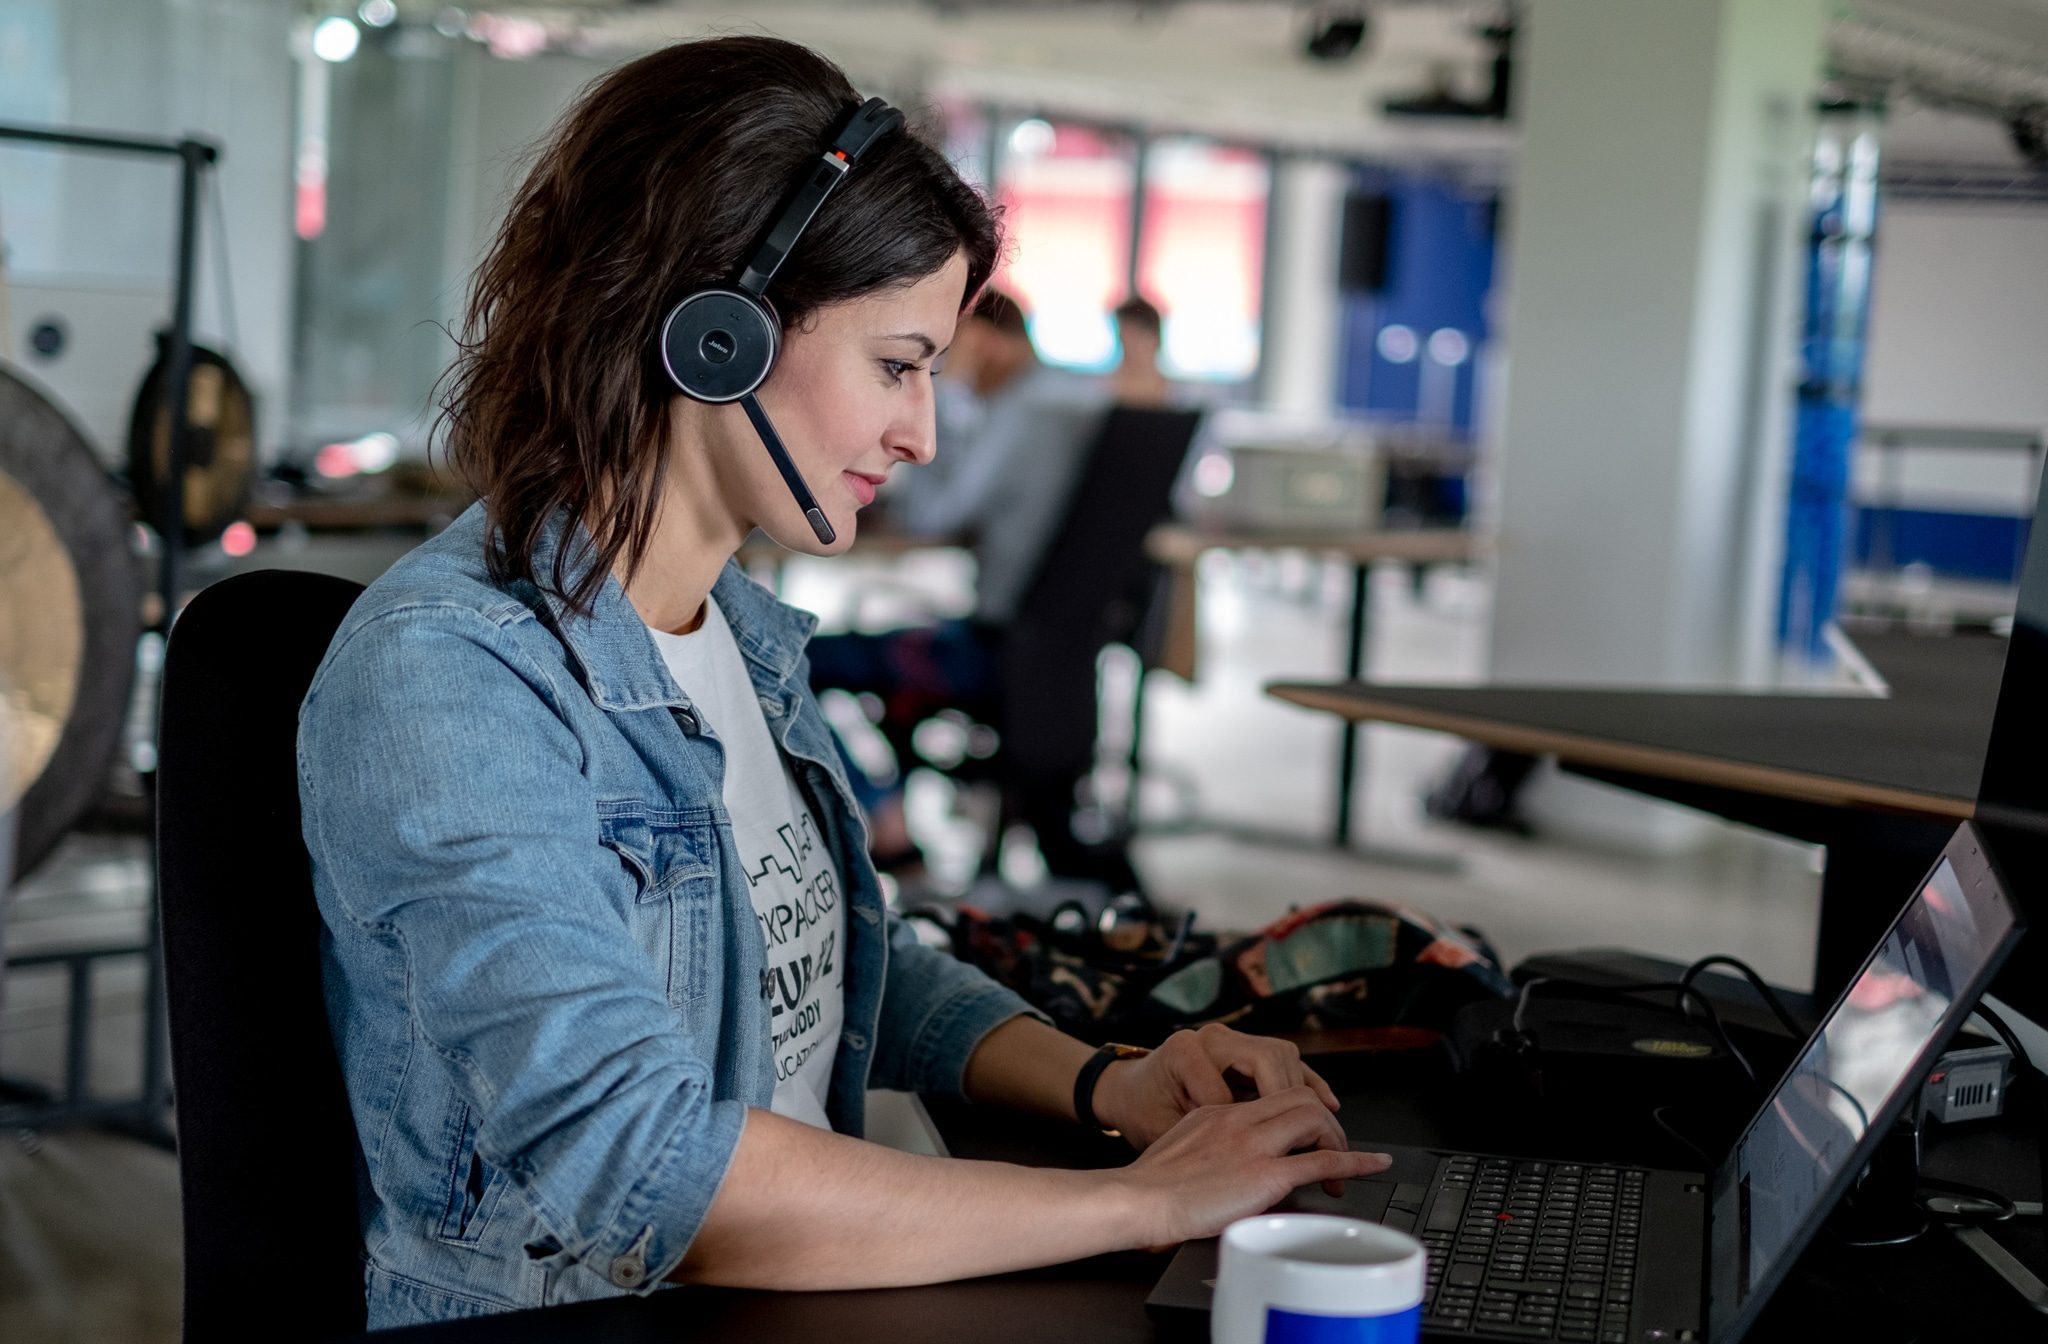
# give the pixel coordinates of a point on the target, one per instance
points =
(542, 968)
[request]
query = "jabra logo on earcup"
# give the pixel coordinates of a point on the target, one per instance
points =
(717, 346)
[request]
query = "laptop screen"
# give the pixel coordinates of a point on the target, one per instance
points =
(1790, 1166)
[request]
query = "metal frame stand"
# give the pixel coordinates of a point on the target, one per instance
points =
(145, 1116)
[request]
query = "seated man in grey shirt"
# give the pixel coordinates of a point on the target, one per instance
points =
(1013, 436)
(1012, 433)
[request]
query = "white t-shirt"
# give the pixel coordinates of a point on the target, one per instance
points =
(794, 883)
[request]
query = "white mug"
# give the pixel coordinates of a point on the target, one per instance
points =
(1314, 1278)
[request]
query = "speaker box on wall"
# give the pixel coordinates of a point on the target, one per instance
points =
(1362, 254)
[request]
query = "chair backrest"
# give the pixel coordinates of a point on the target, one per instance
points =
(267, 1151)
(1123, 491)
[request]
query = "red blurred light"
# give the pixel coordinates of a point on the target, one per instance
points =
(238, 540)
(309, 209)
(336, 460)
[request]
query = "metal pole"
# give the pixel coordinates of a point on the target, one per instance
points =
(113, 144)
(1269, 272)
(1141, 174)
(170, 527)
(78, 1034)
(1354, 669)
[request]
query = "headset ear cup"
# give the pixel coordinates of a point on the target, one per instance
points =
(718, 344)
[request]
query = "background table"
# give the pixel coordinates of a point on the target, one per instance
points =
(1881, 780)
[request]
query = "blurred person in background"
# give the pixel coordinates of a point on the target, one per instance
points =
(1013, 435)
(991, 404)
(1137, 379)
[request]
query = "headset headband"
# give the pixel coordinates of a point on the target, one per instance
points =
(867, 124)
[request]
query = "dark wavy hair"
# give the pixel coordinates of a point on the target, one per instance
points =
(660, 180)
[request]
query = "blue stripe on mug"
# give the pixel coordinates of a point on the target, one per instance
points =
(1300, 1327)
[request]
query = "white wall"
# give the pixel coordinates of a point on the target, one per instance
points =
(1302, 354)
(92, 236)
(1959, 336)
(1653, 233)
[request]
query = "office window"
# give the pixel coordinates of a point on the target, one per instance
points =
(1201, 252)
(1067, 195)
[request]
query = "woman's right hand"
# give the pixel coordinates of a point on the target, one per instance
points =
(1221, 1163)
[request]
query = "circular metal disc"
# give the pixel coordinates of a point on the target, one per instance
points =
(222, 444)
(41, 638)
(70, 613)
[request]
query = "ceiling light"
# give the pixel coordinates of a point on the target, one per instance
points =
(335, 39)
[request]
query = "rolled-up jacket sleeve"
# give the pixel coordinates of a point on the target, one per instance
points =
(448, 812)
(935, 1011)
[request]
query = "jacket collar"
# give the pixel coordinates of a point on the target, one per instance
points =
(623, 668)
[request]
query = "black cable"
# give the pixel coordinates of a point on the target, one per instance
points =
(1720, 1031)
(1657, 1118)
(2024, 1068)
(1770, 997)
(2020, 1059)
(1996, 1208)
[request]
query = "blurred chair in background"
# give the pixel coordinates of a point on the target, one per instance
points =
(1028, 670)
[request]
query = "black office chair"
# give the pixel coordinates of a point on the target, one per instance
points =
(267, 1151)
(1079, 600)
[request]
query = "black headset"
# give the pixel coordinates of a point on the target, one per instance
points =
(719, 345)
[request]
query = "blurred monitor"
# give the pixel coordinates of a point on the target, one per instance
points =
(2015, 783)
(1282, 488)
(1256, 472)
(2012, 798)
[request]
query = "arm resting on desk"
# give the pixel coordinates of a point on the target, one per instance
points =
(805, 1208)
(801, 1207)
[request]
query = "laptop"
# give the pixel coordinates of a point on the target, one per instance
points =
(1523, 1248)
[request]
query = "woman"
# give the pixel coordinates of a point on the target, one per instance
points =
(608, 971)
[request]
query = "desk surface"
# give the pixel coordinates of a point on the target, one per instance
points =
(1917, 750)
(1882, 1297)
(391, 509)
(1182, 544)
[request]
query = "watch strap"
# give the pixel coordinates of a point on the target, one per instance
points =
(1091, 1072)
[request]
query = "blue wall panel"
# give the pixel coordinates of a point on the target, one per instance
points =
(1440, 260)
(1960, 545)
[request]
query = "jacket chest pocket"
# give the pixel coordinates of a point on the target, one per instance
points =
(672, 859)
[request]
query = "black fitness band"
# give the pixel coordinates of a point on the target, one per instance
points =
(1085, 1080)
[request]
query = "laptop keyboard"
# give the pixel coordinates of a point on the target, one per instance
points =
(1535, 1250)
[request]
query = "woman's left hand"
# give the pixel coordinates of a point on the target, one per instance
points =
(1143, 1098)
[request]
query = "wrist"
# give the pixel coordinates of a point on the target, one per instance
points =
(1112, 1089)
(1130, 1211)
